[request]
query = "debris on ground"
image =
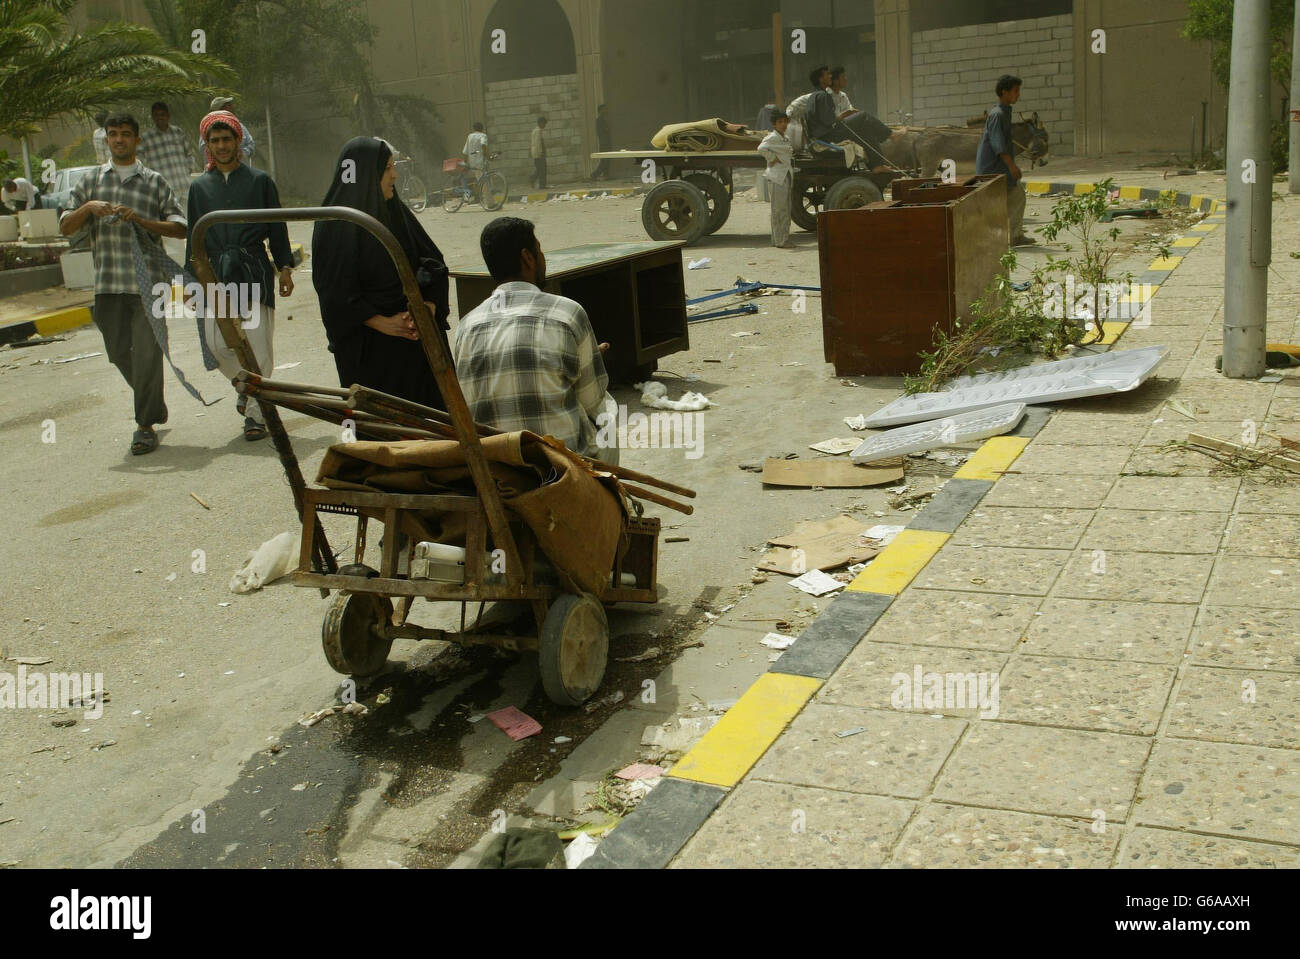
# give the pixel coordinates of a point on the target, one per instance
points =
(835, 446)
(816, 583)
(515, 723)
(654, 652)
(1238, 458)
(883, 534)
(858, 422)
(655, 395)
(580, 850)
(823, 544)
(830, 473)
(273, 559)
(613, 699)
(903, 498)
(777, 641)
(640, 771)
(351, 709)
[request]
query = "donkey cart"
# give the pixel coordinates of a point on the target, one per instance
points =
(544, 530)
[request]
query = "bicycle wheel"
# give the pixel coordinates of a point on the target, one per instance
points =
(414, 194)
(453, 195)
(493, 191)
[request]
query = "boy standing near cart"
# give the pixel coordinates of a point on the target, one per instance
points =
(777, 149)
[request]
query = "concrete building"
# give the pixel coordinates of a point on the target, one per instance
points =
(505, 62)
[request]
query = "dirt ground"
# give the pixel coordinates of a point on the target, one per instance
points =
(111, 566)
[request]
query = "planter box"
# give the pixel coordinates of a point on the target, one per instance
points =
(38, 224)
(8, 229)
(30, 278)
(78, 270)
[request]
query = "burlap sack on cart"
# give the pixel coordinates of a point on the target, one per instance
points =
(579, 517)
(702, 136)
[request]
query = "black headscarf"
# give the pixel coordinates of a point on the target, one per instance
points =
(339, 246)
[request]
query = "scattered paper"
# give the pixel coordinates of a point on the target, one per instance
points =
(655, 395)
(701, 264)
(1178, 406)
(836, 446)
(845, 733)
(745, 333)
(824, 544)
(515, 724)
(884, 534)
(288, 366)
(30, 660)
(816, 583)
(579, 850)
(778, 641)
(1270, 378)
(73, 359)
(858, 422)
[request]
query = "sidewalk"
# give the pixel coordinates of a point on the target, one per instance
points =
(1141, 617)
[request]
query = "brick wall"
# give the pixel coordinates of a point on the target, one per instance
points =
(955, 69)
(513, 107)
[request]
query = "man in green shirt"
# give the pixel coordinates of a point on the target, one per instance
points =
(238, 253)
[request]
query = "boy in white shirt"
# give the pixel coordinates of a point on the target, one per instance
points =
(777, 149)
(475, 149)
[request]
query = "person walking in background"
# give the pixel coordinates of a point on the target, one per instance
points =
(99, 139)
(997, 155)
(246, 146)
(779, 153)
(237, 252)
(604, 142)
(126, 205)
(537, 150)
(764, 121)
(374, 340)
(166, 150)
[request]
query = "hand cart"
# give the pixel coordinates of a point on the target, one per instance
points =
(572, 631)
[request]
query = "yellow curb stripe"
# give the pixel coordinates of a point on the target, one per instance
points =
(1137, 294)
(1185, 242)
(62, 320)
(992, 458)
(730, 749)
(1130, 192)
(537, 197)
(1195, 201)
(893, 569)
(1204, 227)
(1111, 330)
(1081, 188)
(1037, 186)
(1162, 263)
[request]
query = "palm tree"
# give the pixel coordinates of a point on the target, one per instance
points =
(47, 69)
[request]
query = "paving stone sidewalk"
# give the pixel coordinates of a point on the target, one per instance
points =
(1141, 614)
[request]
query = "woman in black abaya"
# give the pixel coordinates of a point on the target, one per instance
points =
(371, 333)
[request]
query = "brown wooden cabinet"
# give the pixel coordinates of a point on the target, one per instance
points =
(892, 272)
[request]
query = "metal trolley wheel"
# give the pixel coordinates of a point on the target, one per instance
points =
(573, 648)
(414, 194)
(675, 210)
(453, 194)
(351, 635)
(807, 199)
(851, 193)
(716, 195)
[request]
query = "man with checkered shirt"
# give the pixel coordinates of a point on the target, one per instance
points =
(528, 360)
(124, 196)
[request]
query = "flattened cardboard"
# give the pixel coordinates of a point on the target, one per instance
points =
(826, 544)
(831, 473)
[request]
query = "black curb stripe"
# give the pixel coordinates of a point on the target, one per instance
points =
(659, 827)
(17, 332)
(949, 507)
(823, 646)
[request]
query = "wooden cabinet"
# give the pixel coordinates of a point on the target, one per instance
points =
(634, 295)
(892, 272)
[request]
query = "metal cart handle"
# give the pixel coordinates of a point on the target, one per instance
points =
(435, 350)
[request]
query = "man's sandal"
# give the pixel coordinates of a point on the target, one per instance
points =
(253, 430)
(143, 441)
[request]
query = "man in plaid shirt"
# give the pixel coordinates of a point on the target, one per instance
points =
(122, 196)
(167, 150)
(528, 360)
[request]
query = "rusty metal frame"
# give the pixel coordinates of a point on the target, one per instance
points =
(435, 349)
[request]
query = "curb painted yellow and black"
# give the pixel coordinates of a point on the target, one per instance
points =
(655, 832)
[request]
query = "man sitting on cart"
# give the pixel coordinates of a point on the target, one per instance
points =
(528, 360)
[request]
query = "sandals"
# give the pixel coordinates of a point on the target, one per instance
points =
(143, 441)
(253, 430)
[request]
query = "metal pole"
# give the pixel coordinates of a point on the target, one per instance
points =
(27, 161)
(270, 143)
(778, 60)
(1293, 167)
(1250, 194)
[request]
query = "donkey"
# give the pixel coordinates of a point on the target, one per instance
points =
(925, 148)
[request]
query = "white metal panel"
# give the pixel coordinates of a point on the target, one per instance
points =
(1114, 372)
(949, 431)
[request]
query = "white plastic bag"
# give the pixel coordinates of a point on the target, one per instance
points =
(273, 559)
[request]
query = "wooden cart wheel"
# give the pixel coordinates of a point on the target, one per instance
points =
(350, 635)
(806, 200)
(717, 198)
(573, 648)
(851, 193)
(675, 210)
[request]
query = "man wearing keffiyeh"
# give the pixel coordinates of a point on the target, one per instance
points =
(237, 252)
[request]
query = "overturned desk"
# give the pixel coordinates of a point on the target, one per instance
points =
(634, 295)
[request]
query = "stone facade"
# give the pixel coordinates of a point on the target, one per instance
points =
(513, 107)
(954, 71)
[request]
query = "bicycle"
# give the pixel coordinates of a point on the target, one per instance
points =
(410, 188)
(488, 188)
